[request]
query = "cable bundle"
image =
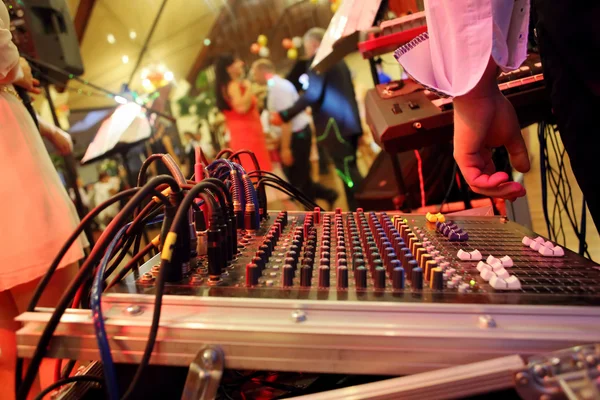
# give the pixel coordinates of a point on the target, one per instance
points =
(226, 199)
(555, 178)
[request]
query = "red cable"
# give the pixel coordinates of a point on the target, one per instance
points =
(421, 182)
(57, 370)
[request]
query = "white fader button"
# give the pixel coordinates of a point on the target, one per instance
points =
(463, 255)
(526, 240)
(535, 245)
(481, 266)
(487, 274)
(475, 255)
(506, 261)
(548, 244)
(513, 283)
(555, 251)
(491, 259)
(498, 283)
(502, 273)
(539, 239)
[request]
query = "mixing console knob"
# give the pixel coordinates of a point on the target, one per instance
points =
(398, 278)
(309, 248)
(308, 261)
(325, 254)
(338, 211)
(342, 262)
(341, 242)
(356, 249)
(288, 276)
(263, 255)
(342, 278)
(317, 215)
(324, 261)
(252, 274)
(360, 277)
(358, 262)
(415, 246)
(423, 261)
(306, 276)
(428, 270)
(379, 278)
(417, 278)
(291, 262)
(437, 281)
(341, 256)
(259, 262)
(324, 276)
(377, 263)
(389, 260)
(410, 265)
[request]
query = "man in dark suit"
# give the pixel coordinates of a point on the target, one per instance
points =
(335, 113)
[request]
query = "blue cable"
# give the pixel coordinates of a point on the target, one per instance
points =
(103, 345)
(100, 329)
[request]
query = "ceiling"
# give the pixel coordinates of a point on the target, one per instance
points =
(176, 41)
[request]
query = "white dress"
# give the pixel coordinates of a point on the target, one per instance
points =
(36, 214)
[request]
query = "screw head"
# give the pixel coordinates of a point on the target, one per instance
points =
(134, 309)
(521, 379)
(298, 316)
(486, 321)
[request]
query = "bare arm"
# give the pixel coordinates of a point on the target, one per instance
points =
(240, 102)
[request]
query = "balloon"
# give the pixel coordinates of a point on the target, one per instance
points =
(334, 7)
(255, 48)
(292, 54)
(287, 43)
(264, 52)
(297, 42)
(262, 40)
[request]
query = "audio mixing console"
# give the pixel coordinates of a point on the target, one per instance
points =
(390, 257)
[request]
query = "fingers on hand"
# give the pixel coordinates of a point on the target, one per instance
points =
(507, 190)
(517, 151)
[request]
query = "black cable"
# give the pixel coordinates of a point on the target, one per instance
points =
(66, 381)
(68, 368)
(308, 206)
(83, 273)
(447, 195)
(181, 214)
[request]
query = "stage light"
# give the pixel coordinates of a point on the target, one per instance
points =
(145, 73)
(132, 35)
(125, 59)
(120, 99)
(111, 38)
(207, 42)
(168, 76)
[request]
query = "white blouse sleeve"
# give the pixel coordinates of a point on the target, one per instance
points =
(462, 35)
(9, 55)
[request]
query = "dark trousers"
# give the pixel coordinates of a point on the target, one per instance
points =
(299, 173)
(569, 40)
(342, 151)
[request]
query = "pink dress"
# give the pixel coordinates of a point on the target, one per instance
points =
(246, 132)
(36, 214)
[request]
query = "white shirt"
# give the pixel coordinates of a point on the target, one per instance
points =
(282, 95)
(462, 35)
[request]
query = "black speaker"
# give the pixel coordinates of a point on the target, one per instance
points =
(379, 190)
(43, 30)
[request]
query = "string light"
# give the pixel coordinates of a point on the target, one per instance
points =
(132, 35)
(111, 38)
(125, 59)
(207, 42)
(121, 100)
(169, 76)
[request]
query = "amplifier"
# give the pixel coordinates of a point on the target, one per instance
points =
(403, 116)
(352, 292)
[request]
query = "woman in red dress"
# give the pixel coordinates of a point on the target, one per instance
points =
(238, 105)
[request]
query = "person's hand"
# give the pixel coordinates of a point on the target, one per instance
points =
(27, 82)
(61, 140)
(287, 158)
(482, 122)
(276, 119)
